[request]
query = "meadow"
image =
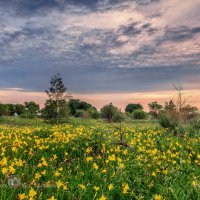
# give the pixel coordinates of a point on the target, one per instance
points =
(86, 159)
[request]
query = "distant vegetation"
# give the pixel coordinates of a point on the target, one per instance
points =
(70, 150)
(176, 115)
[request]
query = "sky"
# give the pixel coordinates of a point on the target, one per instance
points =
(120, 51)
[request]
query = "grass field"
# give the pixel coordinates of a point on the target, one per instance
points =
(84, 160)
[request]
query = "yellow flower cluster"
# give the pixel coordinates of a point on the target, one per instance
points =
(89, 162)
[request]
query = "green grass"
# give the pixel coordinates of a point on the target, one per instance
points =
(155, 165)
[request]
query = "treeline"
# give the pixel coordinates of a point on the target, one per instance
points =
(74, 107)
(26, 110)
(82, 109)
(60, 105)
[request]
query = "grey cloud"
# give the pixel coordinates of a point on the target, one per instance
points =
(181, 33)
(30, 7)
(130, 29)
(34, 48)
(136, 28)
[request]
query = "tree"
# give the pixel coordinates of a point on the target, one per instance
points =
(155, 109)
(12, 109)
(77, 106)
(20, 109)
(170, 106)
(56, 105)
(189, 113)
(111, 113)
(180, 100)
(131, 107)
(93, 113)
(32, 109)
(179, 115)
(49, 110)
(4, 110)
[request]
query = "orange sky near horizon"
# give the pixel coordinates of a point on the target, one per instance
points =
(100, 99)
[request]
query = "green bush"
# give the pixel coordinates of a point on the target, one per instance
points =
(79, 113)
(93, 113)
(139, 114)
(166, 121)
(118, 117)
(4, 110)
(111, 113)
(132, 107)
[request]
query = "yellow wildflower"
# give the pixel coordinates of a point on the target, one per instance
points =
(110, 187)
(12, 169)
(32, 192)
(104, 170)
(37, 176)
(82, 186)
(194, 183)
(125, 188)
(121, 166)
(43, 172)
(22, 196)
(4, 170)
(95, 166)
(59, 184)
(102, 197)
(96, 188)
(153, 174)
(57, 173)
(88, 159)
(157, 197)
(52, 198)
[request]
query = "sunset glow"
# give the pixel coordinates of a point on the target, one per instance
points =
(129, 51)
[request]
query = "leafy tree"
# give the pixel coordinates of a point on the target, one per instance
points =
(189, 112)
(20, 109)
(110, 112)
(77, 107)
(32, 109)
(49, 111)
(93, 113)
(79, 113)
(84, 106)
(56, 105)
(131, 107)
(155, 109)
(74, 106)
(4, 110)
(12, 109)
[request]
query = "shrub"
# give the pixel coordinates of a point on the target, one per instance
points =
(111, 113)
(189, 113)
(166, 121)
(132, 107)
(196, 124)
(139, 114)
(94, 114)
(118, 117)
(79, 113)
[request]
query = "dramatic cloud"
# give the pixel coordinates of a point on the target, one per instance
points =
(100, 45)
